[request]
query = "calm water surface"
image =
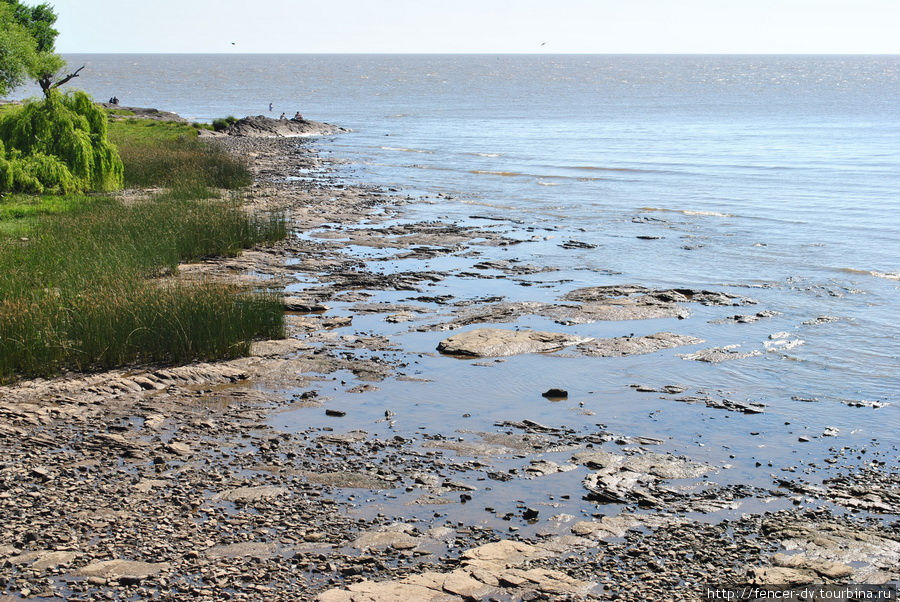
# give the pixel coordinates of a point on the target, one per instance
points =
(771, 176)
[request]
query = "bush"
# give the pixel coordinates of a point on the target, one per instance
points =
(224, 123)
(58, 145)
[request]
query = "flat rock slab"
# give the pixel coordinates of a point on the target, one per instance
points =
(495, 342)
(348, 480)
(714, 355)
(254, 549)
(624, 346)
(123, 568)
(396, 539)
(41, 560)
(250, 494)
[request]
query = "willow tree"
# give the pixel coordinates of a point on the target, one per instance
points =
(59, 144)
(36, 58)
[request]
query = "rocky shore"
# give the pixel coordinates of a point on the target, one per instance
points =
(193, 483)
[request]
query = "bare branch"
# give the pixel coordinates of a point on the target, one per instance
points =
(70, 76)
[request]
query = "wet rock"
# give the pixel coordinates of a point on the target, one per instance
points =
(831, 570)
(543, 468)
(577, 244)
(250, 494)
(494, 342)
(625, 479)
(335, 413)
(781, 576)
(555, 394)
(350, 480)
(624, 346)
(394, 536)
(821, 320)
(42, 560)
(747, 318)
(714, 355)
(303, 305)
(118, 568)
(254, 549)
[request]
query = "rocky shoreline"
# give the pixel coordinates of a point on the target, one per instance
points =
(174, 483)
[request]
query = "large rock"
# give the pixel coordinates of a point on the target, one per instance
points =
(495, 342)
(260, 126)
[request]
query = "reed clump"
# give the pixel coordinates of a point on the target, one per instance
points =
(83, 292)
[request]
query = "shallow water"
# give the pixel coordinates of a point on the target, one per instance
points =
(777, 178)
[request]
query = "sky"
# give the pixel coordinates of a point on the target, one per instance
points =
(485, 26)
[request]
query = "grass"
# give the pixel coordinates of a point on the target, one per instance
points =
(168, 154)
(20, 212)
(80, 275)
(82, 292)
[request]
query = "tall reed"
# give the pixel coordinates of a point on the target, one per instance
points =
(80, 292)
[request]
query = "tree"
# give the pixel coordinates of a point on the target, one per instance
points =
(38, 58)
(17, 50)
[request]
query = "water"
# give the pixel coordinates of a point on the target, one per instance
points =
(776, 177)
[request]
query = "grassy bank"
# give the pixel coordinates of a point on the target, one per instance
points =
(80, 285)
(158, 153)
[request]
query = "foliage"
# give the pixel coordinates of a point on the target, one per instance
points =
(39, 61)
(59, 144)
(223, 123)
(17, 50)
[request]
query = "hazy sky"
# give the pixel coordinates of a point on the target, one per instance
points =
(589, 26)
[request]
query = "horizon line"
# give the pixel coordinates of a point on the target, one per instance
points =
(805, 53)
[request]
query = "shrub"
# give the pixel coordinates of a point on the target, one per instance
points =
(59, 145)
(223, 123)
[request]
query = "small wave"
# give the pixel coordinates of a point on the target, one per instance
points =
(487, 172)
(542, 183)
(689, 212)
(615, 169)
(400, 149)
(489, 155)
(877, 274)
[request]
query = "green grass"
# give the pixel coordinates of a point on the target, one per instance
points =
(82, 292)
(162, 153)
(19, 212)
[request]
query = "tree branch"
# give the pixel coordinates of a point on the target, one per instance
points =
(64, 80)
